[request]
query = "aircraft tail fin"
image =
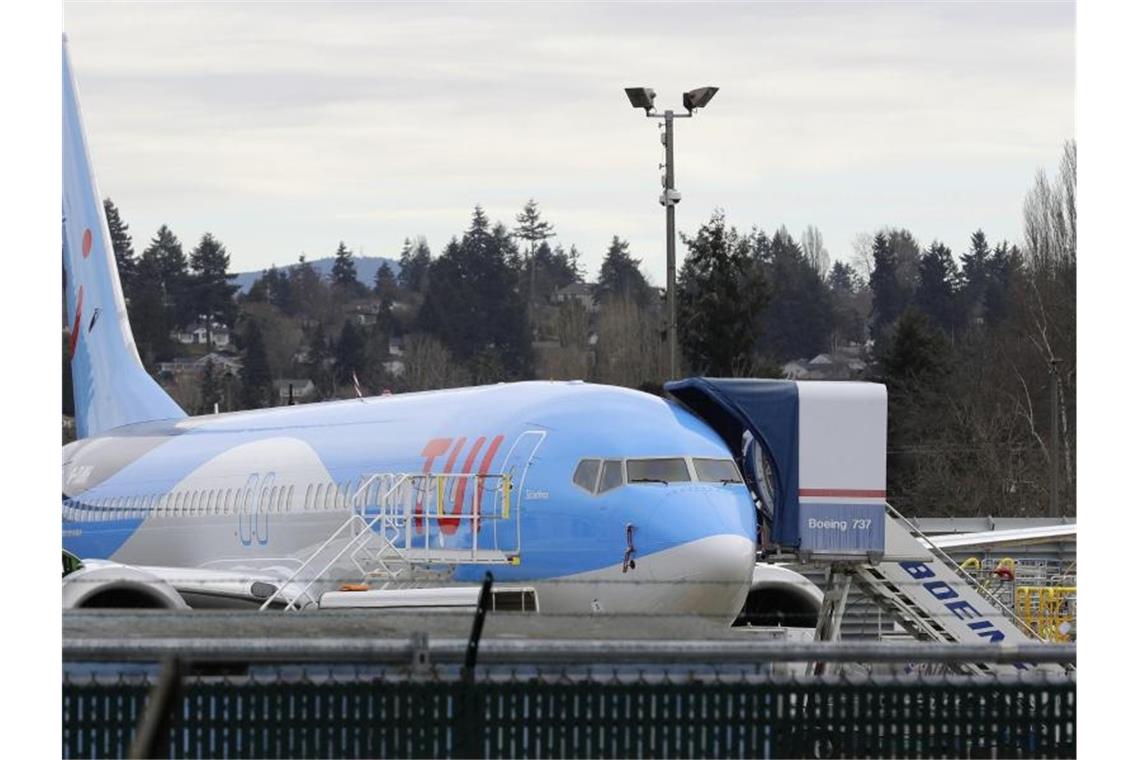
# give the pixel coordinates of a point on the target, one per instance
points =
(111, 386)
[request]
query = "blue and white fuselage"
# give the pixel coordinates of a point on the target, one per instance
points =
(170, 493)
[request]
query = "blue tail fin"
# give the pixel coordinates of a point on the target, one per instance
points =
(111, 386)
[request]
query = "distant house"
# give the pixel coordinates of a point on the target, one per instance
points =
(302, 388)
(186, 366)
(366, 313)
(581, 292)
(396, 345)
(223, 363)
(196, 334)
(844, 363)
(795, 371)
(394, 367)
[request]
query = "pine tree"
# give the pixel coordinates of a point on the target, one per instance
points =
(349, 354)
(620, 276)
(308, 291)
(848, 294)
(212, 293)
(798, 320)
(344, 272)
(257, 382)
(123, 249)
(937, 295)
(211, 389)
(534, 230)
(975, 275)
(415, 260)
(720, 297)
(887, 295)
(385, 285)
(472, 304)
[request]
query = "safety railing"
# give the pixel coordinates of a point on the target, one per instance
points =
(400, 521)
(986, 593)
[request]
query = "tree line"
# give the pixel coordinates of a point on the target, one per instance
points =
(967, 345)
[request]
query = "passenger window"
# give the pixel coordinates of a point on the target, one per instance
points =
(657, 470)
(317, 496)
(586, 476)
(611, 475)
(308, 497)
(716, 471)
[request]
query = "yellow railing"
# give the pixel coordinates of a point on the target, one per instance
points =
(1050, 610)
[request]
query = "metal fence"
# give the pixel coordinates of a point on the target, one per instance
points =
(388, 712)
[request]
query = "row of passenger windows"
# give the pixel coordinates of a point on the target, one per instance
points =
(601, 475)
(218, 501)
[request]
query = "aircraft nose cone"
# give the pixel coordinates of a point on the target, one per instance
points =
(719, 575)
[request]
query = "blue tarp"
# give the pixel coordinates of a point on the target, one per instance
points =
(769, 409)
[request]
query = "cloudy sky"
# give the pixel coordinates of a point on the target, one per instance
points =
(285, 127)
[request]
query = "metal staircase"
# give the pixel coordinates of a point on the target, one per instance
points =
(410, 526)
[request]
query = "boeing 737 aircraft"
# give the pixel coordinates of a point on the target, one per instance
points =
(618, 500)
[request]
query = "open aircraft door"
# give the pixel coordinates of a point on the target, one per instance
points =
(814, 455)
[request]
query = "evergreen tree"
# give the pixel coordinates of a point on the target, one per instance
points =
(211, 389)
(123, 249)
(888, 298)
(847, 294)
(164, 302)
(308, 291)
(415, 260)
(349, 354)
(273, 287)
(938, 288)
(620, 276)
(1005, 265)
(975, 275)
(257, 383)
(385, 285)
(319, 363)
(472, 304)
(344, 273)
(720, 297)
(798, 319)
(212, 293)
(534, 230)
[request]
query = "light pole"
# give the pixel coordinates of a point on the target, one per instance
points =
(643, 97)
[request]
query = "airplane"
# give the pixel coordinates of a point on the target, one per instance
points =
(621, 501)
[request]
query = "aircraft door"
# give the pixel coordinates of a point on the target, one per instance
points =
(264, 505)
(517, 464)
(245, 507)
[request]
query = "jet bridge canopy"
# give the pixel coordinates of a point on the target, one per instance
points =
(813, 454)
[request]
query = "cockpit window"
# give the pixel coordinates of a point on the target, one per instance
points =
(611, 475)
(716, 471)
(586, 476)
(657, 470)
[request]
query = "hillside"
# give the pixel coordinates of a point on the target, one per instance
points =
(366, 267)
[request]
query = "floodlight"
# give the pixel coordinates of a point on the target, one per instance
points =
(641, 97)
(698, 98)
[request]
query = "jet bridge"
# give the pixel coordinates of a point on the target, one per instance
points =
(814, 457)
(813, 454)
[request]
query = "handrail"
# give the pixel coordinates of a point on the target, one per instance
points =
(988, 595)
(396, 513)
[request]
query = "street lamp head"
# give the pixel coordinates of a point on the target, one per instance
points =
(641, 97)
(698, 98)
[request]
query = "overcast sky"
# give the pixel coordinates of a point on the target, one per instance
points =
(285, 127)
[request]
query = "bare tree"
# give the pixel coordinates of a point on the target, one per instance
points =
(631, 349)
(428, 365)
(812, 244)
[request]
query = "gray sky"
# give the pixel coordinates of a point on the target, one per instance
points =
(286, 127)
